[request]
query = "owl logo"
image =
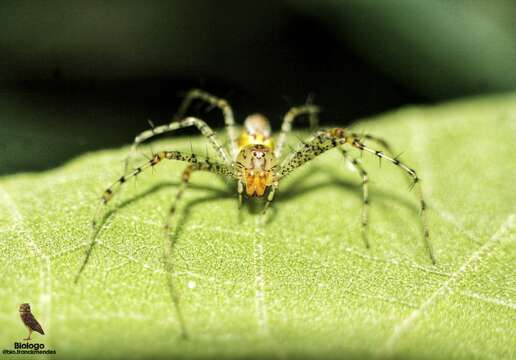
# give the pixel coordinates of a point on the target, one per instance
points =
(29, 320)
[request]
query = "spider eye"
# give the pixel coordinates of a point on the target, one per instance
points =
(258, 154)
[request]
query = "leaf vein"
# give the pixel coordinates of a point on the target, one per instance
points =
(407, 323)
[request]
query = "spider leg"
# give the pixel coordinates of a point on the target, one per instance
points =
(214, 101)
(288, 119)
(185, 180)
(416, 182)
(189, 121)
(383, 143)
(365, 193)
(195, 162)
(270, 198)
(323, 141)
(379, 141)
(240, 190)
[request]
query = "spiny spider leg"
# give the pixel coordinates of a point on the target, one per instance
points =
(270, 198)
(288, 119)
(323, 141)
(240, 190)
(416, 182)
(195, 162)
(365, 193)
(185, 180)
(381, 142)
(220, 103)
(189, 121)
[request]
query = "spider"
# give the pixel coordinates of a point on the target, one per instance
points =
(253, 157)
(253, 160)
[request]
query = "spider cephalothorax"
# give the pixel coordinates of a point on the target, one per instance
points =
(256, 164)
(255, 161)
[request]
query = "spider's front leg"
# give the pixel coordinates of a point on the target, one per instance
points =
(416, 182)
(323, 141)
(195, 162)
(378, 140)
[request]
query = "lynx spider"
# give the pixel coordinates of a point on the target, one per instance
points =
(253, 158)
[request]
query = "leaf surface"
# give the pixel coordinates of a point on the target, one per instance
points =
(302, 285)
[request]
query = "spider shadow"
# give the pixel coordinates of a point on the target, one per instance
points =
(171, 237)
(220, 193)
(299, 187)
(100, 224)
(254, 205)
(291, 192)
(217, 194)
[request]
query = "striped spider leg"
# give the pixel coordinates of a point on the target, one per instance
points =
(194, 94)
(194, 164)
(379, 141)
(323, 141)
(357, 166)
(312, 111)
(365, 192)
(205, 130)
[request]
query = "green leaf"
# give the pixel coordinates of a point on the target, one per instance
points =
(303, 285)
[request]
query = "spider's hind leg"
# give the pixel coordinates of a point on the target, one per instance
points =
(416, 183)
(323, 141)
(311, 110)
(365, 193)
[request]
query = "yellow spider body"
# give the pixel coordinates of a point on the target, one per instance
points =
(256, 159)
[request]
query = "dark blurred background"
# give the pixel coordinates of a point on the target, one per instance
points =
(82, 75)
